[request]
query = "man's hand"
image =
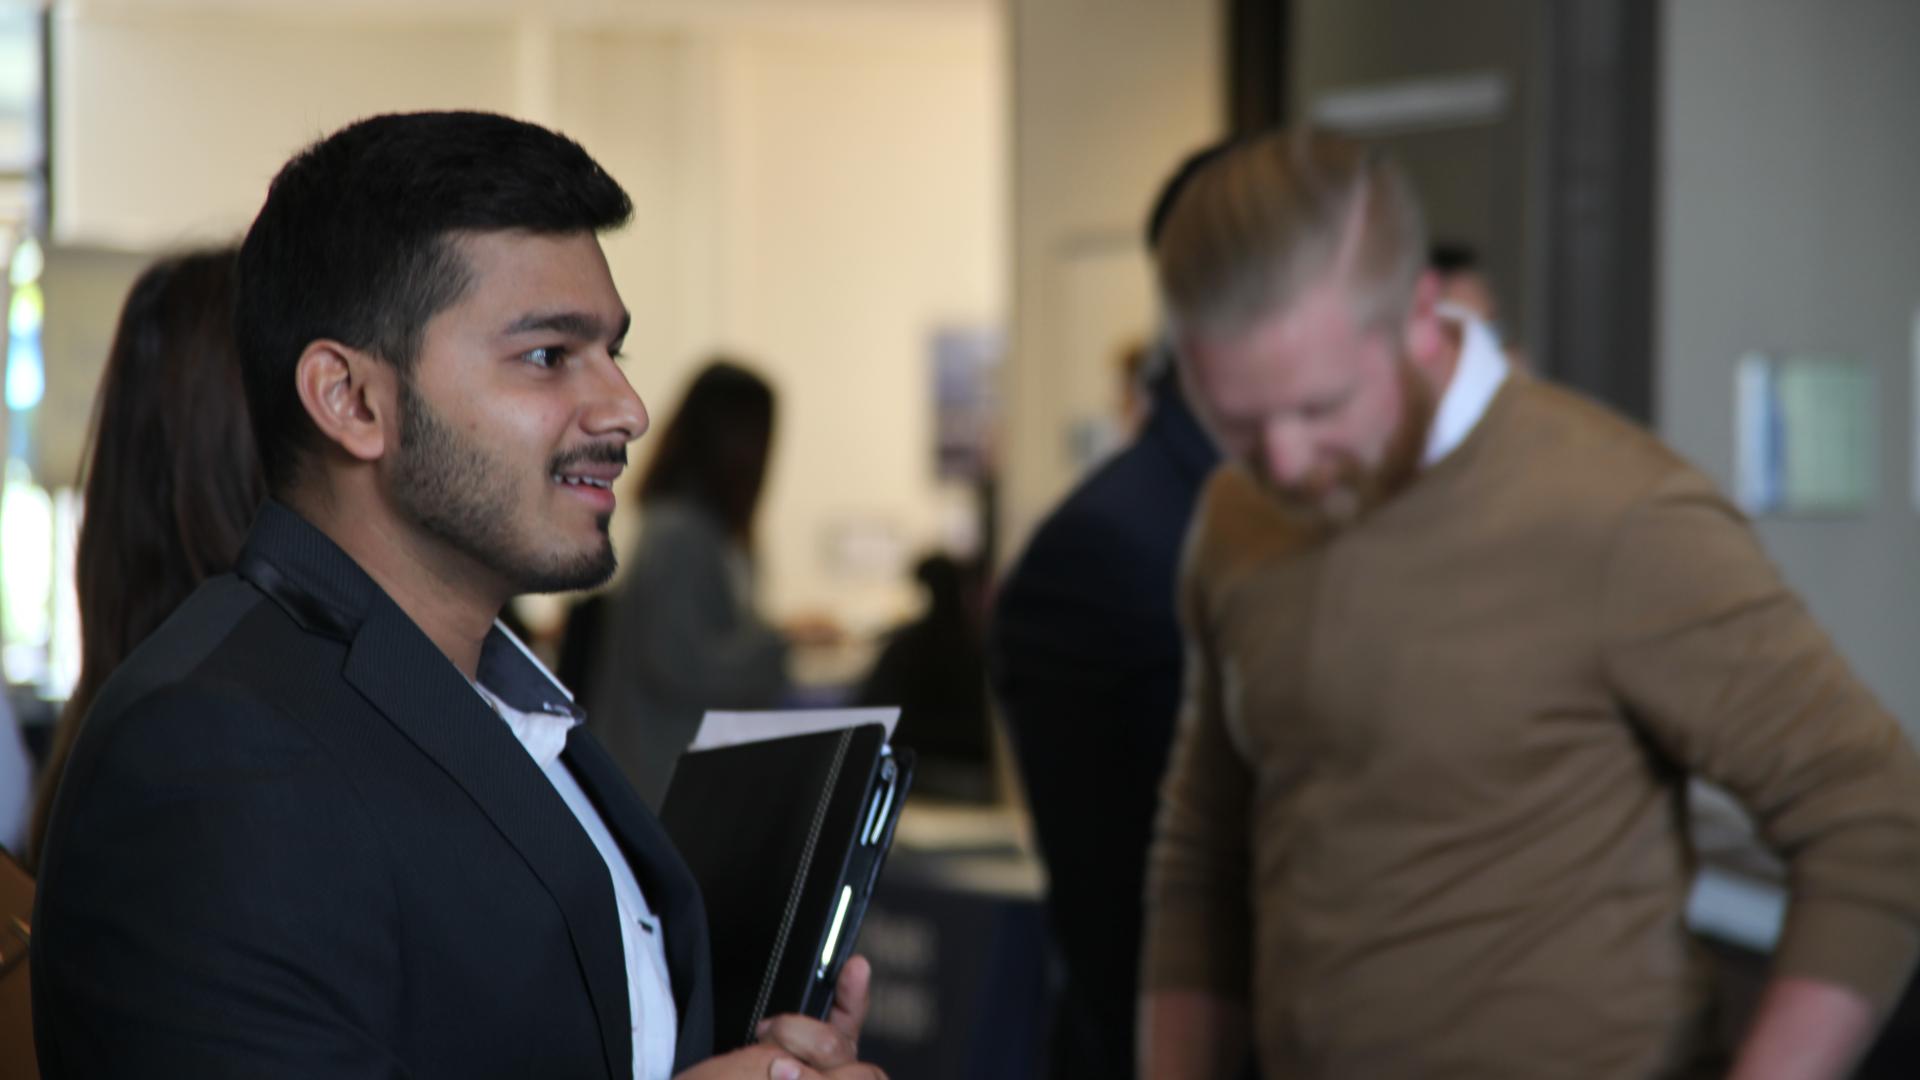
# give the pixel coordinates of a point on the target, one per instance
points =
(1192, 1035)
(801, 1048)
(834, 1044)
(1805, 1029)
(765, 1062)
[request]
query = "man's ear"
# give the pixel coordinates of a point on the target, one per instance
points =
(349, 395)
(1426, 335)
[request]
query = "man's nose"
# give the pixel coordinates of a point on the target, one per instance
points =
(1286, 452)
(612, 406)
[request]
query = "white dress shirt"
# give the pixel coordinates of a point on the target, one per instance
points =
(650, 1008)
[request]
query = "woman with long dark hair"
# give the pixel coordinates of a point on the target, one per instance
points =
(172, 473)
(683, 635)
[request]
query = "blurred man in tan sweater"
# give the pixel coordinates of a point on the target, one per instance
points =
(1457, 638)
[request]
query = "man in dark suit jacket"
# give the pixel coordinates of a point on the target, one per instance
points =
(330, 820)
(1085, 656)
(1086, 662)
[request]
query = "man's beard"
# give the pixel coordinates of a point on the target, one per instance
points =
(456, 491)
(1354, 490)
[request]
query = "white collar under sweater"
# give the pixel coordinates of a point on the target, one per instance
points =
(1476, 379)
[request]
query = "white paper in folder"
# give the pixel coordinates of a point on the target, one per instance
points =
(719, 729)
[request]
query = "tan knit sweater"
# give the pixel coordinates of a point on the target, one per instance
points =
(1425, 804)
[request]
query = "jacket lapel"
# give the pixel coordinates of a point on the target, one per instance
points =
(403, 675)
(406, 677)
(667, 883)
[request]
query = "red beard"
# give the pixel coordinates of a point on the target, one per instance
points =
(1349, 490)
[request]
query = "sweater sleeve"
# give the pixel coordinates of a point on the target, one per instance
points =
(1199, 920)
(1729, 675)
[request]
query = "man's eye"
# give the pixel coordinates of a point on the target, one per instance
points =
(546, 356)
(1321, 410)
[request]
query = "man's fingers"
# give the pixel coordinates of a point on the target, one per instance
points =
(785, 1068)
(850, 998)
(782, 1067)
(819, 1045)
(752, 1063)
(836, 1043)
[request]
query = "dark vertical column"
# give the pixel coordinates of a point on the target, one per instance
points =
(1258, 34)
(41, 219)
(1602, 138)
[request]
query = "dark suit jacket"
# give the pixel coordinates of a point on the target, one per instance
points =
(292, 841)
(1086, 660)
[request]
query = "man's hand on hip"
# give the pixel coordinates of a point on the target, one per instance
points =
(1805, 1029)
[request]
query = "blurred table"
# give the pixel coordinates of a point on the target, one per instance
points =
(958, 943)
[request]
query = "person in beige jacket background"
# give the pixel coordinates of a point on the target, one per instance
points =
(1457, 640)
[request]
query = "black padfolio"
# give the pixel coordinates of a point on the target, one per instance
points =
(786, 838)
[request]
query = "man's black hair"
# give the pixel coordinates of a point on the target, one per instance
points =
(1177, 183)
(1452, 257)
(1157, 375)
(354, 243)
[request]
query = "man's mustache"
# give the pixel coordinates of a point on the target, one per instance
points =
(591, 454)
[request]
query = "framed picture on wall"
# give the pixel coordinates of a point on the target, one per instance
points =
(1805, 430)
(966, 364)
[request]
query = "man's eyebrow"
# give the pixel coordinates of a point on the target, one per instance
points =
(578, 324)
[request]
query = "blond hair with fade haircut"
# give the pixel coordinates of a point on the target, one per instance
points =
(1279, 213)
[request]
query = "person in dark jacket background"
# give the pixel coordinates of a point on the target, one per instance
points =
(934, 669)
(1085, 656)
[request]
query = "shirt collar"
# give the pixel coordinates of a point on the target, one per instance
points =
(543, 734)
(1476, 379)
(526, 695)
(513, 674)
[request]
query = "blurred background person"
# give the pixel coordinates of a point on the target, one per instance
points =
(1136, 364)
(1462, 281)
(173, 476)
(934, 668)
(682, 633)
(1410, 757)
(1086, 659)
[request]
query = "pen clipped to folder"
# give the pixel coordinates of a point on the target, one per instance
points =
(785, 819)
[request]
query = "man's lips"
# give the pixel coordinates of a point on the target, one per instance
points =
(590, 467)
(593, 483)
(599, 480)
(590, 472)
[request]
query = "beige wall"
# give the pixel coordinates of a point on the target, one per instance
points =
(1109, 96)
(168, 124)
(861, 228)
(79, 284)
(817, 192)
